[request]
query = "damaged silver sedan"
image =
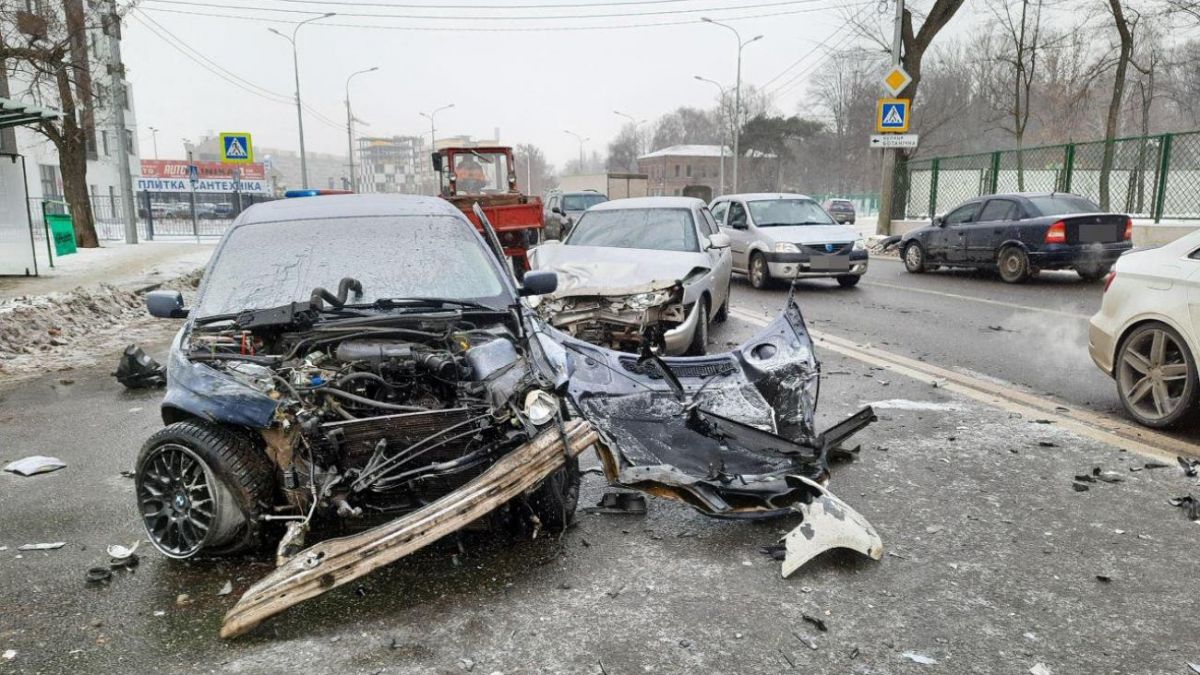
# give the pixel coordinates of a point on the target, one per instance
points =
(420, 400)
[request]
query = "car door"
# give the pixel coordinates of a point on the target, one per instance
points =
(948, 242)
(722, 261)
(739, 234)
(984, 235)
(719, 210)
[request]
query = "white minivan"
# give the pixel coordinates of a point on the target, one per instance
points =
(786, 236)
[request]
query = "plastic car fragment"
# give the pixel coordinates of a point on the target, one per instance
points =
(829, 523)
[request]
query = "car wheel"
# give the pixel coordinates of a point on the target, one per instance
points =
(555, 500)
(1093, 272)
(723, 314)
(848, 280)
(1156, 376)
(1013, 264)
(760, 274)
(699, 346)
(914, 258)
(199, 486)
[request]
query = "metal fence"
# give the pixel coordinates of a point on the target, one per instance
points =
(159, 215)
(1153, 177)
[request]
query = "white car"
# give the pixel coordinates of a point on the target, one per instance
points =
(654, 268)
(1146, 335)
(786, 236)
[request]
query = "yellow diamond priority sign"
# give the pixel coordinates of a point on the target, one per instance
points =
(896, 80)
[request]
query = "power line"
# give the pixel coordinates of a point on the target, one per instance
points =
(224, 74)
(488, 29)
(820, 44)
(535, 17)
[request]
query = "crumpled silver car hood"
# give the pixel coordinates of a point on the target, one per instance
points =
(592, 270)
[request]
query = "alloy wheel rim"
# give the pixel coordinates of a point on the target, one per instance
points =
(1153, 373)
(176, 500)
(914, 256)
(757, 271)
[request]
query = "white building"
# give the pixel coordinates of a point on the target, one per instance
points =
(399, 164)
(103, 175)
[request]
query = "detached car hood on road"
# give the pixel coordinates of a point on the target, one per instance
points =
(811, 234)
(592, 270)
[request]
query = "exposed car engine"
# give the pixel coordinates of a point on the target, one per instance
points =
(619, 321)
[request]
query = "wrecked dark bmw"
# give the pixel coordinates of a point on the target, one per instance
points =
(369, 358)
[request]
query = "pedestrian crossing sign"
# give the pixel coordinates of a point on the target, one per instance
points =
(892, 115)
(236, 148)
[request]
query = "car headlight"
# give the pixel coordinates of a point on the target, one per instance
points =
(786, 247)
(540, 407)
(648, 300)
(860, 245)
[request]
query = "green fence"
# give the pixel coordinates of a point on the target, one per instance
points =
(1153, 177)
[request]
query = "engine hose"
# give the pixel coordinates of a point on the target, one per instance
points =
(363, 376)
(320, 295)
(366, 401)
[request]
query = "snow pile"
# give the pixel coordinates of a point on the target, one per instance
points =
(73, 329)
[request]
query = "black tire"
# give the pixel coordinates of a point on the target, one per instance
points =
(759, 272)
(1164, 371)
(914, 258)
(848, 280)
(723, 314)
(1013, 264)
(1092, 273)
(699, 346)
(555, 500)
(237, 478)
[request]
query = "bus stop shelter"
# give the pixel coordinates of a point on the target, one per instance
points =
(17, 255)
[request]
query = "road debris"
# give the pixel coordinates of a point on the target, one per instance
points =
(917, 657)
(35, 464)
(816, 621)
(619, 503)
(1189, 504)
(1191, 467)
(10, 654)
(99, 575)
(1040, 669)
(226, 589)
(42, 547)
(828, 524)
(136, 370)
(119, 552)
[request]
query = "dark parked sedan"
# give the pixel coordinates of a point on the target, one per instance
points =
(1020, 234)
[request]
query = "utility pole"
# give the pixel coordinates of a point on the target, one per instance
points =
(724, 132)
(299, 105)
(737, 95)
(116, 74)
(350, 127)
(888, 183)
(154, 140)
(581, 140)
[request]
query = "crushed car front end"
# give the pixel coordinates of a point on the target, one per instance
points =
(622, 318)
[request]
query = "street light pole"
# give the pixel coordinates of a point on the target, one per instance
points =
(299, 105)
(637, 139)
(350, 126)
(724, 131)
(737, 96)
(432, 128)
(154, 140)
(581, 140)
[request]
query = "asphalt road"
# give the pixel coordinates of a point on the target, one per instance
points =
(992, 566)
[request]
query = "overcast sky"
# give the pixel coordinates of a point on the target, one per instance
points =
(531, 85)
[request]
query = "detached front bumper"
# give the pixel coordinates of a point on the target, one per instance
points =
(800, 265)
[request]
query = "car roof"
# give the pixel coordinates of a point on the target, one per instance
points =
(648, 203)
(347, 206)
(764, 196)
(1027, 195)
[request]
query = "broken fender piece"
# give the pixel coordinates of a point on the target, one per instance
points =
(828, 524)
(334, 562)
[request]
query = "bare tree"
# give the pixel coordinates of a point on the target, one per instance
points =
(1022, 27)
(52, 64)
(1125, 28)
(624, 149)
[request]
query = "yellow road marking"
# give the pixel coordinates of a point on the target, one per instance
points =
(1119, 433)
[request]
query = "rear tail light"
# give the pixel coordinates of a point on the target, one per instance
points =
(1057, 234)
(1109, 279)
(1129, 229)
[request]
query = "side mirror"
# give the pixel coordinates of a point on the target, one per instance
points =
(719, 240)
(437, 162)
(558, 211)
(938, 221)
(166, 304)
(738, 224)
(539, 282)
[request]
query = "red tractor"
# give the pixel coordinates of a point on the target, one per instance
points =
(485, 175)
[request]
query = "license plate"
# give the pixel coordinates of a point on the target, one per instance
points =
(1092, 233)
(828, 263)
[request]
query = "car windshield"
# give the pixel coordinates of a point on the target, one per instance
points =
(481, 172)
(784, 212)
(1058, 205)
(264, 265)
(657, 229)
(581, 202)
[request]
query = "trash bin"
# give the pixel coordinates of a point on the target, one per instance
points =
(63, 231)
